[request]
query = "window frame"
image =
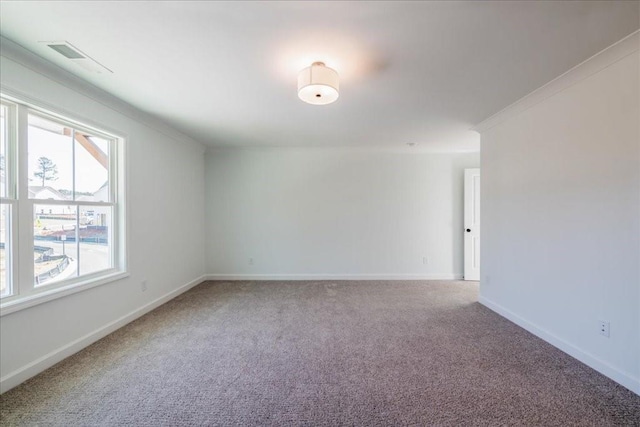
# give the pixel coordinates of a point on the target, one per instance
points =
(25, 291)
(11, 196)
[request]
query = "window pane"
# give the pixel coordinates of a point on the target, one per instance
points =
(55, 249)
(95, 239)
(92, 168)
(5, 250)
(4, 141)
(50, 160)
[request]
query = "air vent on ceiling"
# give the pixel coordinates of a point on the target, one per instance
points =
(74, 54)
(66, 50)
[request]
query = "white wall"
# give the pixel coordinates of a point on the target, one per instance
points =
(312, 213)
(166, 218)
(561, 212)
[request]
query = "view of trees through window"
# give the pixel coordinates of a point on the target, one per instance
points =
(72, 210)
(61, 211)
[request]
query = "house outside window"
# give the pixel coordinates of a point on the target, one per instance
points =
(64, 180)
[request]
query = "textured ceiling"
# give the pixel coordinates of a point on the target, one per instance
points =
(411, 72)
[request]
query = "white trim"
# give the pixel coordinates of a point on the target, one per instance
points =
(623, 378)
(69, 202)
(418, 149)
(240, 276)
(596, 63)
(17, 302)
(33, 368)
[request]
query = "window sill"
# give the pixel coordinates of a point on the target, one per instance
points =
(20, 303)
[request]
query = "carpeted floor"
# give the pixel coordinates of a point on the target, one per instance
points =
(321, 353)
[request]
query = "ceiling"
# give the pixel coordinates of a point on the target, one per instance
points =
(225, 73)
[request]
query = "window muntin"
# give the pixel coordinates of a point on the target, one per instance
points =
(69, 196)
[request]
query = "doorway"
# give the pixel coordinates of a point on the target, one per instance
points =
(472, 224)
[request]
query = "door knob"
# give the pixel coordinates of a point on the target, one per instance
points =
(468, 230)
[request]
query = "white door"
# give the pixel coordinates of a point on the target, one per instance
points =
(472, 224)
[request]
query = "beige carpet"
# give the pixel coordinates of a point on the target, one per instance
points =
(321, 354)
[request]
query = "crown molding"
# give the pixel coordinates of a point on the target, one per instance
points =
(596, 63)
(337, 149)
(15, 52)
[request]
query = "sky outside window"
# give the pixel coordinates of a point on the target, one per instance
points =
(48, 139)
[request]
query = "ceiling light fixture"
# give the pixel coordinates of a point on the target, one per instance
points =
(318, 84)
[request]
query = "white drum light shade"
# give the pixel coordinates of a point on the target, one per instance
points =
(318, 84)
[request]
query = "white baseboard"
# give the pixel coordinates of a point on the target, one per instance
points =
(240, 276)
(22, 374)
(587, 358)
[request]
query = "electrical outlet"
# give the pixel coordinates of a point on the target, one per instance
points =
(425, 260)
(143, 285)
(487, 279)
(603, 328)
(250, 261)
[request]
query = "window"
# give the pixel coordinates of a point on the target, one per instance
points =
(64, 181)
